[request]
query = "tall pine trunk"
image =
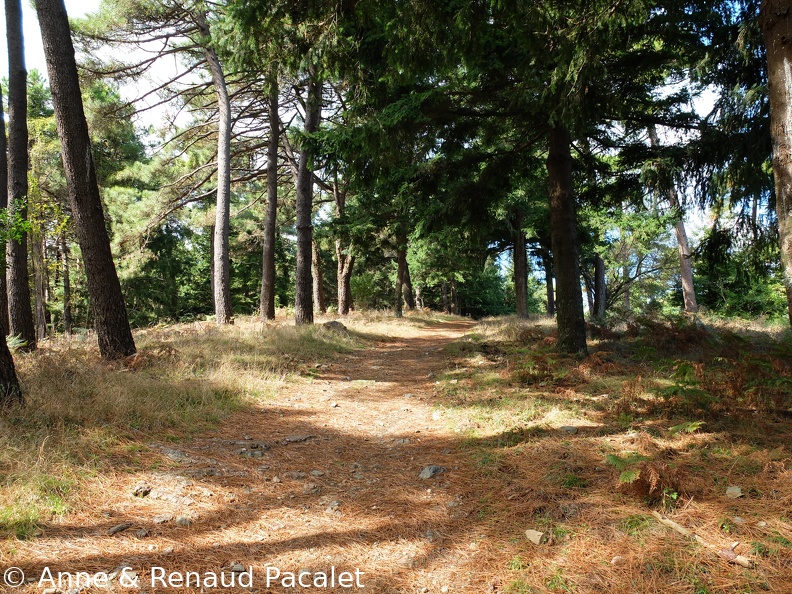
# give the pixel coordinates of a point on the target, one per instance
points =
(547, 264)
(344, 255)
(401, 267)
(407, 288)
(19, 305)
(10, 392)
(600, 296)
(775, 18)
(222, 265)
(267, 303)
(318, 284)
(104, 289)
(685, 266)
(570, 318)
(3, 204)
(303, 306)
(346, 262)
(520, 271)
(67, 309)
(40, 280)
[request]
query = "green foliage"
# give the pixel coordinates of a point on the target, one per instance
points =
(626, 465)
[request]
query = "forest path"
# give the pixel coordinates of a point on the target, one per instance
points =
(340, 479)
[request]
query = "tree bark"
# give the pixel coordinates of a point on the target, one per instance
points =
(40, 279)
(267, 303)
(316, 271)
(401, 266)
(224, 313)
(67, 310)
(455, 305)
(3, 204)
(104, 288)
(563, 226)
(344, 256)
(775, 18)
(520, 271)
(407, 287)
(10, 392)
(599, 287)
(547, 263)
(346, 262)
(19, 305)
(446, 300)
(685, 267)
(303, 306)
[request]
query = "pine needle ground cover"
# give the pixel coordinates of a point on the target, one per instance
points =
(302, 450)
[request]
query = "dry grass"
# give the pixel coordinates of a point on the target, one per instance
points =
(666, 419)
(495, 407)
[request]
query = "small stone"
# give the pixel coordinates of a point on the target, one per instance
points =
(569, 429)
(183, 521)
(237, 568)
(761, 524)
(334, 405)
(734, 492)
(167, 551)
(617, 560)
(276, 479)
(311, 488)
(334, 505)
(141, 490)
(297, 438)
(317, 473)
(408, 395)
(738, 520)
(163, 519)
(359, 476)
(143, 533)
(444, 589)
(118, 528)
(431, 471)
(535, 536)
(52, 591)
(248, 437)
(424, 589)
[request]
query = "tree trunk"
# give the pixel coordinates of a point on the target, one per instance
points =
(346, 261)
(3, 204)
(316, 270)
(563, 226)
(401, 266)
(419, 302)
(455, 309)
(67, 310)
(10, 392)
(599, 287)
(775, 18)
(407, 288)
(303, 306)
(40, 278)
(685, 267)
(520, 271)
(446, 300)
(19, 309)
(344, 258)
(547, 263)
(224, 313)
(110, 315)
(270, 222)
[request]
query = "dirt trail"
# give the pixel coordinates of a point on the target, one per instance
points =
(325, 475)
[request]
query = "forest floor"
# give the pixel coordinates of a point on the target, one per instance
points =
(314, 469)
